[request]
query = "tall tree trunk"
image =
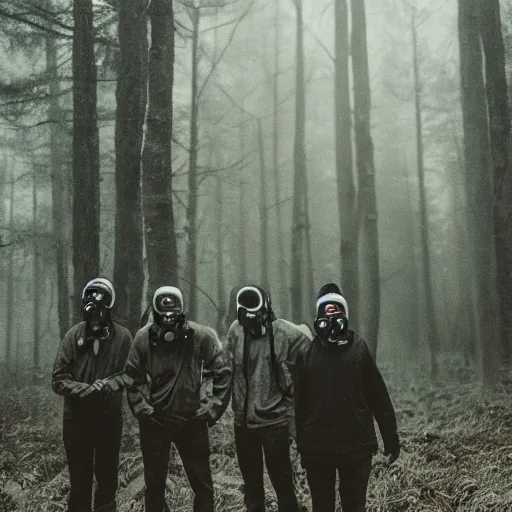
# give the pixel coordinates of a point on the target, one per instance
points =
(86, 159)
(299, 221)
(10, 298)
(160, 239)
(131, 104)
(37, 283)
(18, 333)
(346, 189)
(59, 187)
(499, 126)
(263, 211)
(221, 287)
(432, 331)
(193, 191)
(413, 311)
(242, 218)
(366, 171)
(309, 302)
(281, 264)
(3, 187)
(469, 317)
(478, 185)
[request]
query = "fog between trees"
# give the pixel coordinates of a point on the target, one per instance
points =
(369, 148)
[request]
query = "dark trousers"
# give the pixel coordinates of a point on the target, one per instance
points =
(92, 448)
(193, 445)
(353, 472)
(274, 442)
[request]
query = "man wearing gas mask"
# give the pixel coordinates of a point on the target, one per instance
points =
(171, 361)
(263, 351)
(88, 370)
(338, 392)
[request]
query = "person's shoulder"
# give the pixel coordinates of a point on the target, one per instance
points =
(202, 331)
(306, 330)
(122, 336)
(235, 328)
(357, 341)
(76, 330)
(289, 328)
(122, 331)
(142, 334)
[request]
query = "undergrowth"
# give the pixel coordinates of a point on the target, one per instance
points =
(456, 454)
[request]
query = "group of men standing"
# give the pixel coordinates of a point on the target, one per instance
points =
(179, 379)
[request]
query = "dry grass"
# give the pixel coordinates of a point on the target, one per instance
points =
(457, 455)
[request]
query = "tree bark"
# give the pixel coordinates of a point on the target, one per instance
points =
(193, 199)
(299, 221)
(349, 222)
(10, 298)
(86, 160)
(366, 171)
(131, 98)
(221, 287)
(478, 185)
(242, 226)
(37, 282)
(159, 228)
(468, 318)
(263, 211)
(3, 187)
(59, 187)
(413, 270)
(499, 136)
(281, 263)
(432, 330)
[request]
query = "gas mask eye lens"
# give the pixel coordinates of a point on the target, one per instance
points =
(167, 302)
(322, 323)
(95, 296)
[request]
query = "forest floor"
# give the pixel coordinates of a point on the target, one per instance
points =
(456, 456)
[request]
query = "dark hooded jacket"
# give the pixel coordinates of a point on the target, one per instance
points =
(338, 392)
(179, 380)
(76, 368)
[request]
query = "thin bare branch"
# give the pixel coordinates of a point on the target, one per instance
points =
(320, 42)
(226, 46)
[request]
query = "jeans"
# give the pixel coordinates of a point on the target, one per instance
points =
(193, 445)
(353, 472)
(92, 448)
(274, 443)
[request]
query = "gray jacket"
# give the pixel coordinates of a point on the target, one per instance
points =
(257, 399)
(180, 380)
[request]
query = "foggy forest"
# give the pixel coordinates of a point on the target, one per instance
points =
(210, 144)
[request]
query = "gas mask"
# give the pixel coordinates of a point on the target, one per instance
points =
(253, 309)
(168, 315)
(98, 298)
(331, 324)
